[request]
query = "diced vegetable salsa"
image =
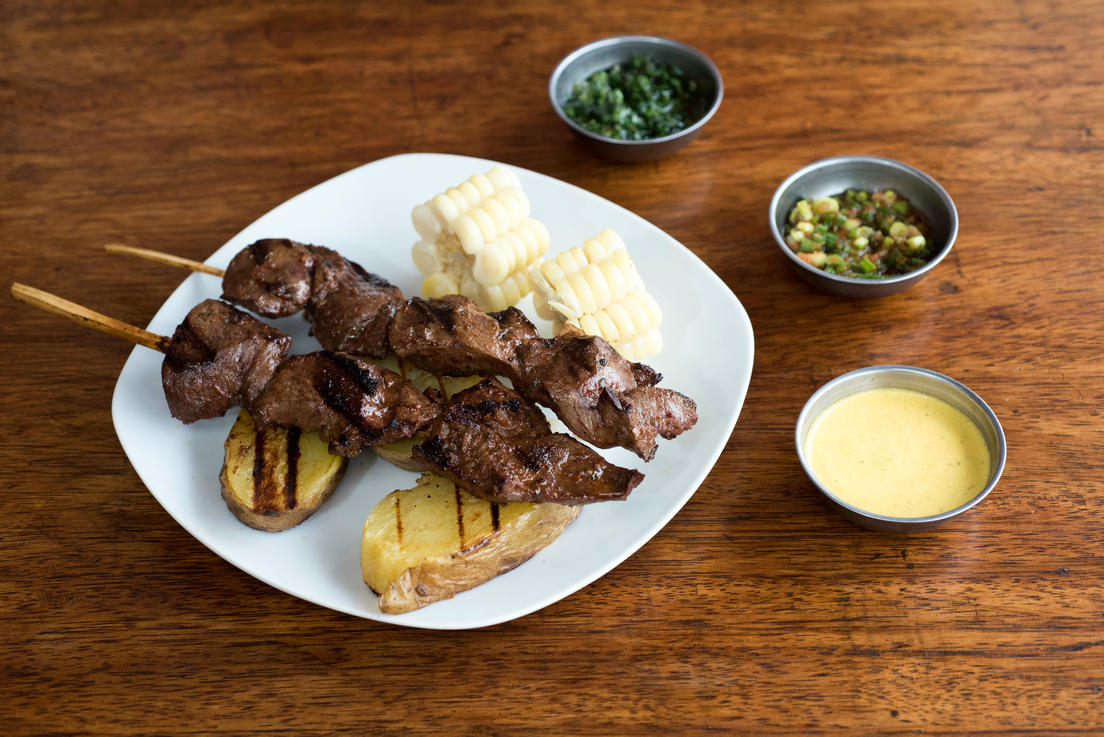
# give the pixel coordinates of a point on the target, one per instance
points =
(640, 99)
(860, 233)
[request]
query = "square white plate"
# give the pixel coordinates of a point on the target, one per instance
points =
(365, 215)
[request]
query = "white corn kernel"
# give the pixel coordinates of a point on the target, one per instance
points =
(438, 284)
(425, 257)
(477, 239)
(595, 287)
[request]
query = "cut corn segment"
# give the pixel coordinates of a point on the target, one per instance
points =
(596, 288)
(477, 239)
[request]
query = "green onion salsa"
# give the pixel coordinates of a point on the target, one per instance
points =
(860, 233)
(634, 101)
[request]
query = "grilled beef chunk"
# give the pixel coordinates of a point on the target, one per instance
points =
(451, 336)
(272, 277)
(603, 398)
(497, 445)
(351, 403)
(219, 357)
(350, 309)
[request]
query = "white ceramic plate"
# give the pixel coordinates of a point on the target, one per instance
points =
(365, 215)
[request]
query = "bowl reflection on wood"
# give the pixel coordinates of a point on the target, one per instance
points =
(916, 379)
(594, 57)
(830, 177)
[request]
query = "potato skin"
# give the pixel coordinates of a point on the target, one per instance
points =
(433, 541)
(273, 521)
(400, 454)
(317, 474)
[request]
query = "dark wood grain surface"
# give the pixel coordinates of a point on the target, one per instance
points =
(757, 610)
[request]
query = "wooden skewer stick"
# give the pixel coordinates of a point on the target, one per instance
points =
(84, 316)
(164, 258)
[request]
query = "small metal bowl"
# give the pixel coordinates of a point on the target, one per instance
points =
(599, 55)
(830, 177)
(917, 379)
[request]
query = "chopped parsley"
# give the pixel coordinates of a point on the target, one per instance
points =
(635, 101)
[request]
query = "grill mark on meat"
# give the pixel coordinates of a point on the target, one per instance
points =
(432, 449)
(332, 384)
(533, 458)
(363, 378)
(442, 313)
(186, 336)
(373, 280)
(259, 251)
(291, 481)
(494, 516)
(459, 516)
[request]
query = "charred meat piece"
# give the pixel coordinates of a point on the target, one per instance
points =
(603, 398)
(350, 309)
(351, 403)
(451, 336)
(497, 445)
(272, 277)
(219, 357)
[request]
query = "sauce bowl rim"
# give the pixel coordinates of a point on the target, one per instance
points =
(804, 420)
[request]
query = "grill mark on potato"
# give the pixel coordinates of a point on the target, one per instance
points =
(291, 480)
(398, 521)
(494, 516)
(459, 516)
(266, 494)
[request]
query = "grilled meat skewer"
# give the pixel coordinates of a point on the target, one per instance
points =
(603, 398)
(491, 440)
(496, 444)
(349, 308)
(220, 356)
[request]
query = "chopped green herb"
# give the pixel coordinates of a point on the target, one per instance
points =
(635, 101)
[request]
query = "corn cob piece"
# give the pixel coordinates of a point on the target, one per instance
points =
(477, 239)
(596, 288)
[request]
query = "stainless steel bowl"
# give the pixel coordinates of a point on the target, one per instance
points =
(832, 176)
(917, 379)
(599, 55)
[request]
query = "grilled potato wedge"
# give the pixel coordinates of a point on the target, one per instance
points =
(275, 479)
(433, 541)
(400, 453)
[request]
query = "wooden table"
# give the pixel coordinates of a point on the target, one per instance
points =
(757, 610)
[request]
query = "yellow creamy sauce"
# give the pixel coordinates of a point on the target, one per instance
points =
(898, 453)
